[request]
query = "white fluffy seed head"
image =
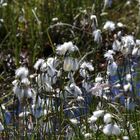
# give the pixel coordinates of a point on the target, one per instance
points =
(25, 81)
(98, 79)
(116, 45)
(43, 66)
(125, 138)
(80, 98)
(74, 121)
(3, 106)
(97, 36)
(109, 25)
(30, 126)
(94, 21)
(92, 119)
(24, 114)
(111, 129)
(87, 65)
(128, 77)
(1, 126)
(119, 24)
(127, 87)
(66, 47)
(107, 130)
(135, 51)
(116, 130)
(117, 85)
(88, 135)
(70, 64)
(112, 68)
(15, 82)
(22, 72)
(38, 64)
(98, 113)
(55, 19)
(107, 118)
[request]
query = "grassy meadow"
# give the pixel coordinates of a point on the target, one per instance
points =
(69, 69)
